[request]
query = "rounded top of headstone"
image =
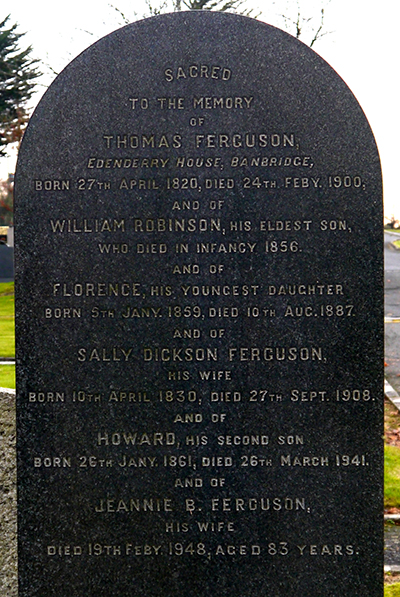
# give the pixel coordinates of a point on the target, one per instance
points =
(204, 54)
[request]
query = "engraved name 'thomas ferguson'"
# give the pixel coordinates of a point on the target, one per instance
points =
(189, 354)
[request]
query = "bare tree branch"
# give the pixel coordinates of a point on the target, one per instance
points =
(305, 24)
(126, 21)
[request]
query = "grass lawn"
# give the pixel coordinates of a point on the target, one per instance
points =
(392, 477)
(392, 590)
(7, 337)
(7, 340)
(7, 376)
(392, 457)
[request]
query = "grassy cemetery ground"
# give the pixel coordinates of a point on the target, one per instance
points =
(7, 376)
(392, 478)
(392, 590)
(392, 420)
(392, 458)
(7, 342)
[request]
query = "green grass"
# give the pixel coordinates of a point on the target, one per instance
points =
(7, 337)
(392, 590)
(392, 477)
(6, 288)
(396, 243)
(7, 376)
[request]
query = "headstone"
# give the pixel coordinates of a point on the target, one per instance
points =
(6, 263)
(199, 321)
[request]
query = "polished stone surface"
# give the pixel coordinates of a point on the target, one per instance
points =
(199, 321)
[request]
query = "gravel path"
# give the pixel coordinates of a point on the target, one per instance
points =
(392, 545)
(8, 496)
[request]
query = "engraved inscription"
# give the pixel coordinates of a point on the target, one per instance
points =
(199, 392)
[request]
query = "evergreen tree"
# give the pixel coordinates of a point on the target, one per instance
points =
(17, 81)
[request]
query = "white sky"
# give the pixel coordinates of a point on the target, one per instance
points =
(364, 48)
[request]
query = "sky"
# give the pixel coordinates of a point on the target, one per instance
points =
(362, 44)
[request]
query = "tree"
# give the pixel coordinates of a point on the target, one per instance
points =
(18, 73)
(164, 6)
(7, 201)
(308, 29)
(392, 223)
(219, 5)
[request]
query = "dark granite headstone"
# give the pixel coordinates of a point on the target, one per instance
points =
(199, 321)
(6, 263)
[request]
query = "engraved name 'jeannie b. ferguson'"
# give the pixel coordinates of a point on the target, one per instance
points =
(237, 504)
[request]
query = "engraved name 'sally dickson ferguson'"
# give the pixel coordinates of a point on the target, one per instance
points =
(199, 322)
